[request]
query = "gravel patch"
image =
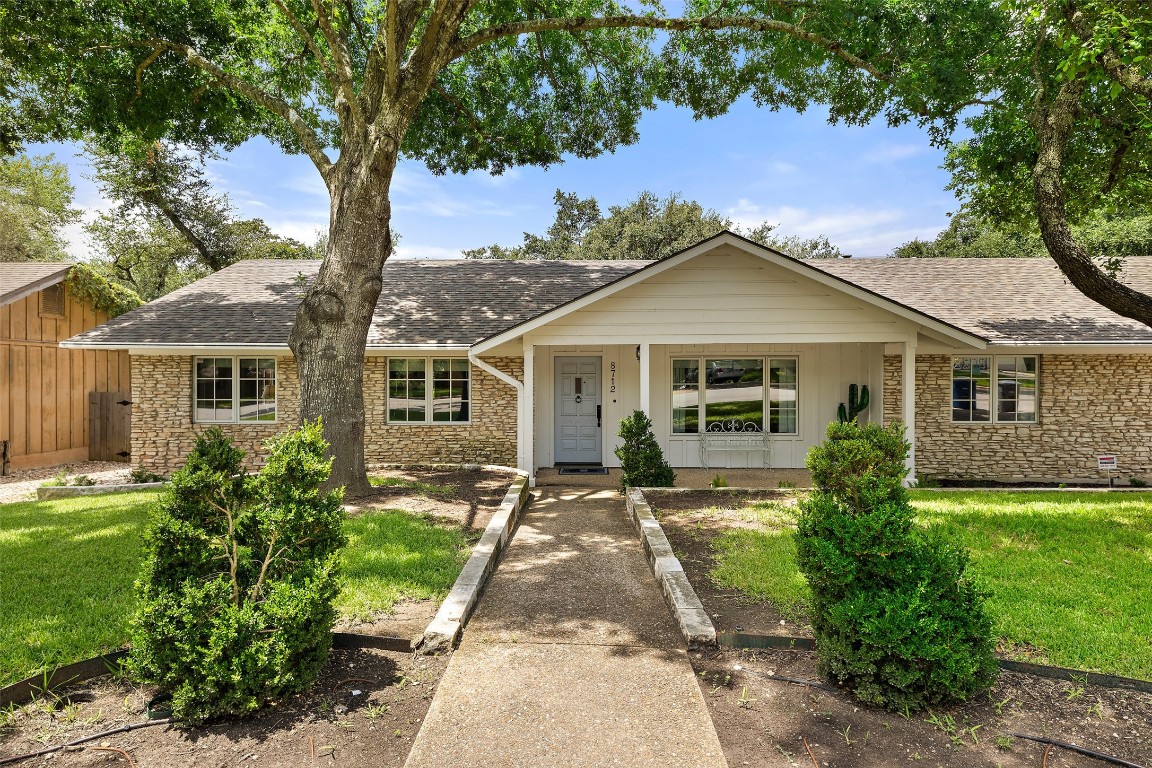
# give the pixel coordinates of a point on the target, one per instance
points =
(21, 485)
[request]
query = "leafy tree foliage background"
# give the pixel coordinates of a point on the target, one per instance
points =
(649, 227)
(35, 206)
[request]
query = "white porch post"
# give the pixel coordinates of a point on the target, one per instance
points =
(645, 379)
(908, 390)
(527, 436)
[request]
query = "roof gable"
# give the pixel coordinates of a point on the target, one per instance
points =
(20, 279)
(801, 274)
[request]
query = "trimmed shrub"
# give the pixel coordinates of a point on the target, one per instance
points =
(896, 618)
(239, 577)
(640, 456)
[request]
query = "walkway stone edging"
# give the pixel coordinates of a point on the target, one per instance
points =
(693, 620)
(456, 609)
(71, 491)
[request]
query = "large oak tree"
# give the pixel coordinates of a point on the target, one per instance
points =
(459, 85)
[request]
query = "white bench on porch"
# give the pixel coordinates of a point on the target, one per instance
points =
(734, 436)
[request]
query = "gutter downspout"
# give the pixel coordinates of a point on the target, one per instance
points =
(519, 387)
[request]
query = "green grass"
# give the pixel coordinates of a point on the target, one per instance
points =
(393, 556)
(762, 563)
(1070, 573)
(67, 569)
(66, 573)
(428, 489)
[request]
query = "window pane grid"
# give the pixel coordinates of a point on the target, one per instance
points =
(423, 390)
(1002, 388)
(732, 394)
(230, 390)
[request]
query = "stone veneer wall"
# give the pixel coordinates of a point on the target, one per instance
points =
(163, 432)
(490, 438)
(1089, 405)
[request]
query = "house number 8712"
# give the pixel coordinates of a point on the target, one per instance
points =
(612, 378)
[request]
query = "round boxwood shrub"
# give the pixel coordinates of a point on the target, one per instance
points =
(239, 577)
(642, 462)
(897, 619)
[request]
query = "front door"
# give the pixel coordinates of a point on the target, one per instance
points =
(578, 410)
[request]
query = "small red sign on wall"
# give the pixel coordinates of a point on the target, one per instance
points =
(1107, 462)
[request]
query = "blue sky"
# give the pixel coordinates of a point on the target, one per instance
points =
(867, 188)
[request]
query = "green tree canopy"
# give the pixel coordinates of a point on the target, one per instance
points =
(649, 227)
(168, 227)
(35, 206)
(458, 85)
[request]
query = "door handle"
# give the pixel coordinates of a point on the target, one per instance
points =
(598, 408)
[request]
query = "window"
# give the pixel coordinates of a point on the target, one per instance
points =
(732, 394)
(999, 388)
(419, 387)
(232, 389)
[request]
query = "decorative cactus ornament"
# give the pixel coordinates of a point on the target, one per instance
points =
(857, 404)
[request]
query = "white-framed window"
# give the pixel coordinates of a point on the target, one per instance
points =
(234, 389)
(731, 394)
(427, 390)
(995, 388)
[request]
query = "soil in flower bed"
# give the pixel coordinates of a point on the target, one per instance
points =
(763, 722)
(690, 521)
(365, 710)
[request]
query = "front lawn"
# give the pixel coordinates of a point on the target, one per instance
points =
(1070, 573)
(67, 569)
(66, 573)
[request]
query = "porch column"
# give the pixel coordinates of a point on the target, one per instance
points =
(645, 379)
(527, 430)
(908, 390)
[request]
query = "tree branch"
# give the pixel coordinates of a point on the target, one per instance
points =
(516, 28)
(1053, 125)
(282, 109)
(344, 77)
(340, 86)
(1127, 76)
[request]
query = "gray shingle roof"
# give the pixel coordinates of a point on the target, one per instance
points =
(18, 279)
(460, 302)
(1001, 300)
(449, 302)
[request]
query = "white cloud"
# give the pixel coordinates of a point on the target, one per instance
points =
(308, 184)
(782, 167)
(887, 152)
(304, 227)
(425, 252)
(857, 230)
(421, 192)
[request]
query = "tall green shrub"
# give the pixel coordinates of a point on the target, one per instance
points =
(896, 618)
(239, 577)
(642, 461)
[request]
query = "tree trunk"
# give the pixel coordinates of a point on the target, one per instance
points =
(332, 323)
(1053, 125)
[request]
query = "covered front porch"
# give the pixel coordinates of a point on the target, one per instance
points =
(725, 337)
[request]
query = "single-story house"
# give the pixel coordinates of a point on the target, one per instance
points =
(998, 368)
(56, 405)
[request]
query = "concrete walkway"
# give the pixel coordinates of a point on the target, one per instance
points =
(572, 658)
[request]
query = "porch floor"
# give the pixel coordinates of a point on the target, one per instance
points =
(686, 477)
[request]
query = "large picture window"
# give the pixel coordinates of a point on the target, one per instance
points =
(995, 388)
(425, 390)
(235, 389)
(730, 394)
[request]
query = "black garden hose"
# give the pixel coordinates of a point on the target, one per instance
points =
(1081, 750)
(78, 742)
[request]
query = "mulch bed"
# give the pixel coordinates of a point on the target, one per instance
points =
(764, 722)
(326, 726)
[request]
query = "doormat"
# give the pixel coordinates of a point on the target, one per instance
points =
(583, 470)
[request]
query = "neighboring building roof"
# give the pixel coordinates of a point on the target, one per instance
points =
(23, 278)
(1003, 300)
(456, 303)
(452, 303)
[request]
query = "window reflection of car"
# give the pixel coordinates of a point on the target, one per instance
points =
(724, 372)
(968, 394)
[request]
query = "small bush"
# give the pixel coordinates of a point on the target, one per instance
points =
(239, 577)
(896, 618)
(141, 475)
(642, 461)
(60, 478)
(83, 480)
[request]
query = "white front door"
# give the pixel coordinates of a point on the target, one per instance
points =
(578, 410)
